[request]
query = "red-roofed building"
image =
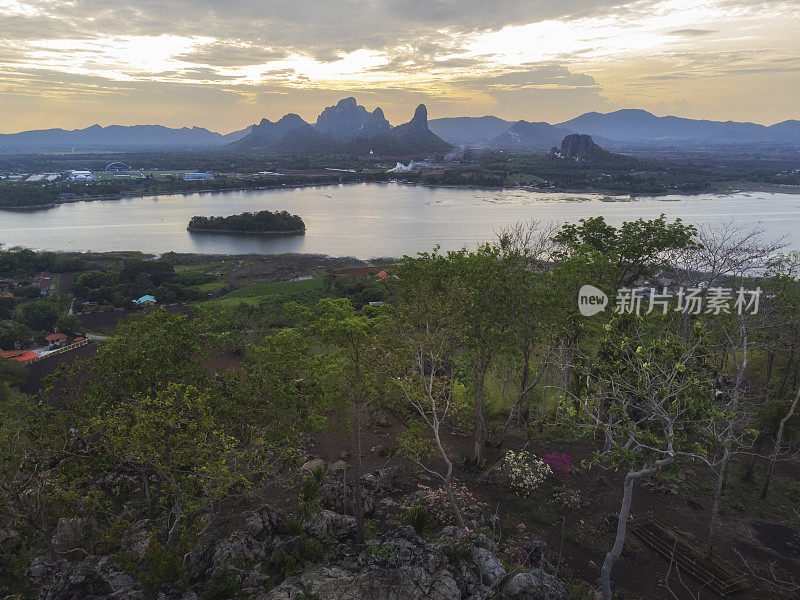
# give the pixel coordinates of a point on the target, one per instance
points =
(56, 340)
(18, 355)
(6, 295)
(381, 274)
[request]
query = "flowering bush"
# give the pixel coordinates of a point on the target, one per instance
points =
(524, 471)
(567, 499)
(439, 504)
(560, 464)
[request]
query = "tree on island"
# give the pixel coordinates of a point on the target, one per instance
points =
(260, 222)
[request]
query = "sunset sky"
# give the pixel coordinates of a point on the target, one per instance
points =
(226, 64)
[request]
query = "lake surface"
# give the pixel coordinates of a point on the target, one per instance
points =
(366, 220)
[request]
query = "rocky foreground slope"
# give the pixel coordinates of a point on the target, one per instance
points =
(238, 554)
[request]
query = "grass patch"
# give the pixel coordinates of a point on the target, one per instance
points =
(272, 296)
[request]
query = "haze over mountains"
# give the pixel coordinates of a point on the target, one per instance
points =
(350, 128)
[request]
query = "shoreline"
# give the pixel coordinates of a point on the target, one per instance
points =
(234, 232)
(740, 187)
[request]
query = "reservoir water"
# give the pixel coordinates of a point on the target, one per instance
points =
(367, 220)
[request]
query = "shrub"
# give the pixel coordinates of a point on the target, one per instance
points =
(223, 585)
(421, 519)
(439, 503)
(560, 464)
(162, 565)
(569, 499)
(307, 502)
(524, 472)
(292, 527)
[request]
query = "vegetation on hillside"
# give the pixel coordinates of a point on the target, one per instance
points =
(478, 373)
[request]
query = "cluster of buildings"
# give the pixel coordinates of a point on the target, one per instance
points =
(40, 280)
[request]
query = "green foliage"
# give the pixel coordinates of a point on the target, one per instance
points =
(307, 551)
(385, 551)
(221, 586)
(421, 519)
(148, 352)
(307, 499)
(161, 566)
(414, 443)
(292, 527)
(633, 249)
(175, 438)
(262, 222)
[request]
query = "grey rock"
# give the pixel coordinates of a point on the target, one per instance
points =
(93, 578)
(337, 467)
(327, 522)
(384, 481)
(73, 534)
(579, 147)
(333, 496)
(534, 585)
(312, 464)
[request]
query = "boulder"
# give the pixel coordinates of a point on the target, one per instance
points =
(327, 522)
(73, 534)
(93, 578)
(384, 481)
(534, 585)
(249, 535)
(314, 463)
(333, 496)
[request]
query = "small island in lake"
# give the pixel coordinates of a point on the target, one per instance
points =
(260, 223)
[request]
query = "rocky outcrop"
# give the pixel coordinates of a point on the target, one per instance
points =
(246, 545)
(401, 566)
(333, 495)
(347, 120)
(384, 481)
(345, 128)
(578, 147)
(94, 578)
(251, 535)
(328, 523)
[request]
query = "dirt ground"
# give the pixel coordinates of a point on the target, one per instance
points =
(583, 535)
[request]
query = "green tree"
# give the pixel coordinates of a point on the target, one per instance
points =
(649, 391)
(347, 369)
(176, 441)
(634, 249)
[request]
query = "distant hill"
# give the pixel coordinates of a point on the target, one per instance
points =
(579, 147)
(346, 128)
(786, 131)
(640, 127)
(350, 128)
(267, 133)
(412, 138)
(530, 136)
(469, 130)
(113, 137)
(348, 120)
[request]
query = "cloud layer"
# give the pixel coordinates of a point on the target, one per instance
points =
(226, 64)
